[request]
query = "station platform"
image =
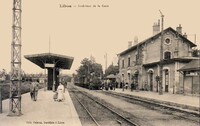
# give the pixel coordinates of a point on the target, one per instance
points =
(43, 112)
(180, 101)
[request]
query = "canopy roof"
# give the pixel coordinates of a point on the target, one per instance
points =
(111, 76)
(194, 65)
(60, 61)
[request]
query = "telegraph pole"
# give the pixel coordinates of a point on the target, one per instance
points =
(105, 62)
(161, 55)
(15, 85)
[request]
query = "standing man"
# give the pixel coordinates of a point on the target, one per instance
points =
(36, 85)
(34, 90)
(31, 89)
(132, 85)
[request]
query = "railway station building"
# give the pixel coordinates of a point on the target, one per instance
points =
(140, 63)
(53, 63)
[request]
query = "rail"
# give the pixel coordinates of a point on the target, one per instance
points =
(160, 105)
(110, 109)
(87, 111)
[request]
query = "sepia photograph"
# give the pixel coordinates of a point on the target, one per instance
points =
(99, 63)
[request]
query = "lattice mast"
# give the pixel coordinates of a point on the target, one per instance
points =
(15, 86)
(161, 55)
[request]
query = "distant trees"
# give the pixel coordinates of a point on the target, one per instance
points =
(3, 75)
(89, 71)
(112, 70)
(66, 78)
(196, 53)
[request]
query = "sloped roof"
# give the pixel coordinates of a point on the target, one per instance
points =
(156, 36)
(111, 76)
(61, 61)
(194, 65)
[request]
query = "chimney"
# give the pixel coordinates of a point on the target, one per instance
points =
(129, 44)
(179, 29)
(156, 28)
(135, 40)
(185, 35)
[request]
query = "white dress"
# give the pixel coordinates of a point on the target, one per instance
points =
(60, 91)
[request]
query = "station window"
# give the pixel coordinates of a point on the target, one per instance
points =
(123, 63)
(129, 62)
(167, 55)
(167, 41)
(137, 59)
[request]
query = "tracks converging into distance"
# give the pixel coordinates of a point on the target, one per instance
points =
(175, 111)
(99, 112)
(107, 108)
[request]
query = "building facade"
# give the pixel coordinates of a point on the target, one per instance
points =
(140, 63)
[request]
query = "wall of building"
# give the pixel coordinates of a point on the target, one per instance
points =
(127, 69)
(170, 68)
(179, 87)
(184, 49)
(146, 76)
(196, 83)
(153, 51)
(125, 57)
(156, 71)
(191, 84)
(177, 47)
(172, 46)
(177, 44)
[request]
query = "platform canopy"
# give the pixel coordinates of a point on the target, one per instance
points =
(194, 65)
(44, 60)
(111, 76)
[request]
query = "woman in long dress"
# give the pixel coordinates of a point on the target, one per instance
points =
(60, 91)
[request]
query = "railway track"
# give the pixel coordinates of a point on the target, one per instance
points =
(190, 116)
(88, 112)
(105, 115)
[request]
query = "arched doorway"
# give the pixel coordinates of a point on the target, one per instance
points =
(166, 80)
(122, 81)
(129, 78)
(135, 79)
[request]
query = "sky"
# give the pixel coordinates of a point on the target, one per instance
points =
(80, 32)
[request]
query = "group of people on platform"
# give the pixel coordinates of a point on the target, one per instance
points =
(58, 96)
(112, 85)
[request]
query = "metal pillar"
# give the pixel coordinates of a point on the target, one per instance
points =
(15, 85)
(45, 80)
(161, 56)
(0, 97)
(184, 74)
(54, 83)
